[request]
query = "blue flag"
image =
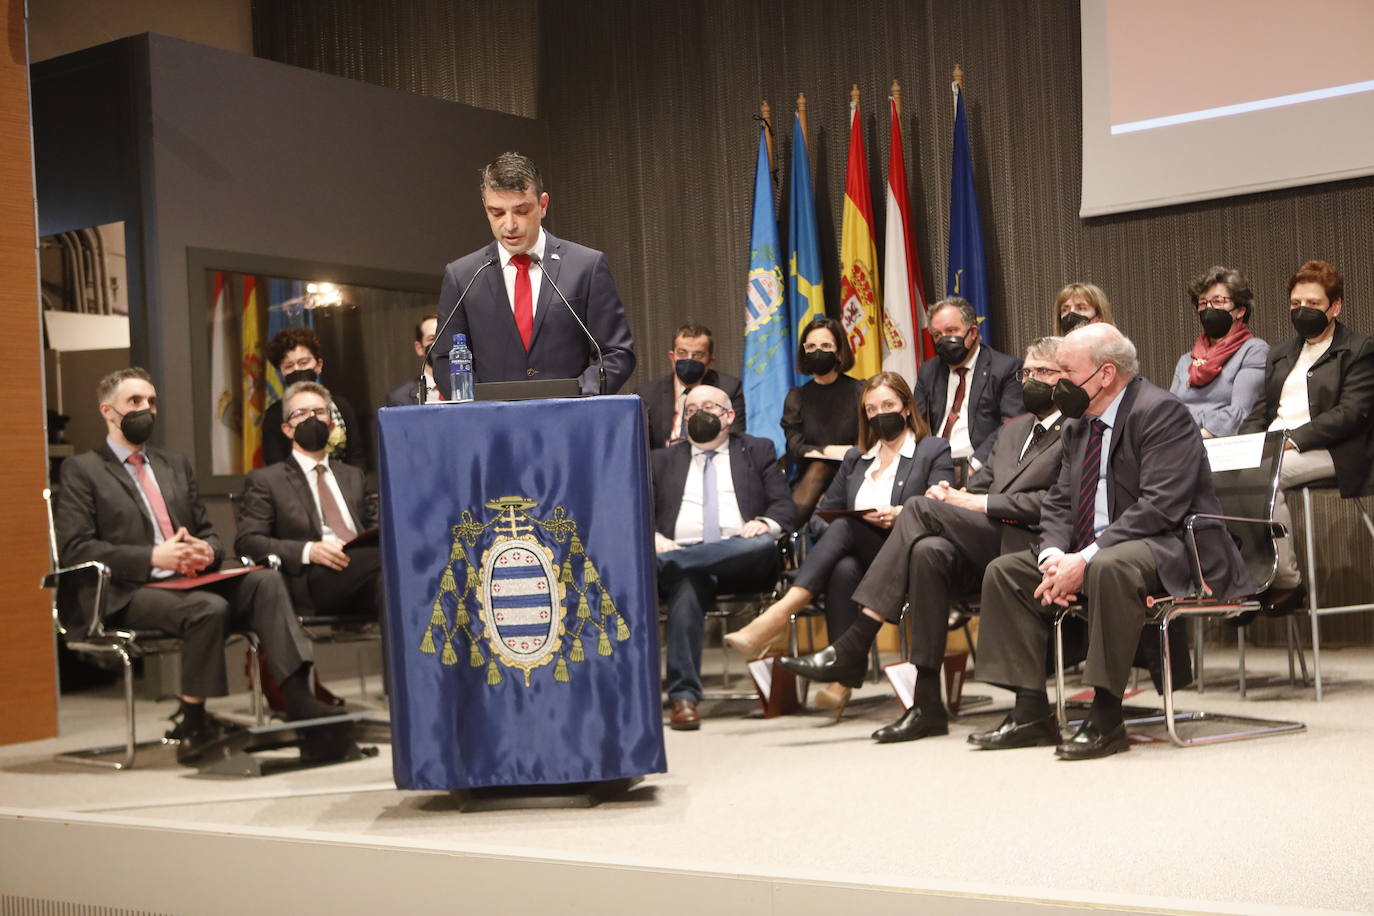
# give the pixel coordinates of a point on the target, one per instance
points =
(968, 275)
(767, 337)
(521, 616)
(805, 299)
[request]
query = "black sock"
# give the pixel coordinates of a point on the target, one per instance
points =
(928, 691)
(1031, 706)
(1106, 710)
(300, 698)
(192, 715)
(855, 642)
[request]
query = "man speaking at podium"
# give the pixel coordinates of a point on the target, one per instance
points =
(506, 297)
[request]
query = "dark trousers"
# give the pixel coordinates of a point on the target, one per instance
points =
(934, 556)
(204, 617)
(811, 484)
(1015, 628)
(354, 590)
(688, 579)
(836, 565)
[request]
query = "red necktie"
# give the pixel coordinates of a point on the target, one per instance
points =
(153, 495)
(524, 299)
(958, 402)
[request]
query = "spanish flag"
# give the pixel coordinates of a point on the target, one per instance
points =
(859, 295)
(254, 384)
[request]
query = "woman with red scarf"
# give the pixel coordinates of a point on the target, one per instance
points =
(1222, 376)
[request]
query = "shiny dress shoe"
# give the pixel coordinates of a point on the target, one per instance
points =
(915, 723)
(1279, 602)
(1040, 733)
(192, 743)
(1090, 742)
(685, 717)
(824, 666)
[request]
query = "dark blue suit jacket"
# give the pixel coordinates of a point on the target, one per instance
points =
(558, 348)
(993, 396)
(923, 470)
(760, 487)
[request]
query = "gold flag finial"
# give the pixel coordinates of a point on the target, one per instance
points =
(801, 112)
(897, 96)
(854, 96)
(958, 76)
(766, 112)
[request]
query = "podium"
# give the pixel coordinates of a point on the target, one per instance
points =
(521, 623)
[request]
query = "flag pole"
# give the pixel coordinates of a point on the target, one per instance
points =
(957, 84)
(766, 113)
(801, 115)
(854, 97)
(897, 97)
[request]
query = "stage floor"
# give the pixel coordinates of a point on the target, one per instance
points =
(1280, 823)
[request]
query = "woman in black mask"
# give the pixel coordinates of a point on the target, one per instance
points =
(1222, 375)
(1078, 304)
(896, 459)
(818, 418)
(296, 353)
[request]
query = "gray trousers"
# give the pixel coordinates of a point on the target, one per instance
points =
(1015, 628)
(204, 618)
(934, 556)
(1297, 469)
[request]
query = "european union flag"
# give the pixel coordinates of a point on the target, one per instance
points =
(805, 299)
(968, 276)
(767, 337)
(522, 619)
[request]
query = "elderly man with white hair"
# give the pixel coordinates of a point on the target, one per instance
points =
(1134, 468)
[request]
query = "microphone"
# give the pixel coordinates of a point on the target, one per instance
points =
(422, 392)
(600, 362)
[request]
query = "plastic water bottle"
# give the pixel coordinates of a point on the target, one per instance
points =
(460, 368)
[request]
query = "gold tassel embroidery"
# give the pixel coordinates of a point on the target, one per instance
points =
(576, 653)
(427, 644)
(560, 671)
(622, 632)
(603, 645)
(493, 675)
(449, 657)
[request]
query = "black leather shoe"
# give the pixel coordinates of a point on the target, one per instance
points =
(914, 723)
(1090, 742)
(192, 744)
(1040, 733)
(1279, 602)
(824, 666)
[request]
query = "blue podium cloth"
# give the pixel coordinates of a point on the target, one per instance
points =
(522, 625)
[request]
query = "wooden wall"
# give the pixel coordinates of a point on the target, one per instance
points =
(28, 683)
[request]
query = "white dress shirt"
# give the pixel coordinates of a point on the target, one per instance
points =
(687, 531)
(876, 490)
(1047, 424)
(960, 446)
(1294, 408)
(509, 271)
(307, 465)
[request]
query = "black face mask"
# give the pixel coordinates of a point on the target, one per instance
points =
(137, 426)
(951, 349)
(312, 434)
(887, 426)
(1071, 398)
(689, 371)
(1216, 323)
(703, 427)
(819, 362)
(1308, 322)
(1038, 397)
(301, 375)
(1070, 320)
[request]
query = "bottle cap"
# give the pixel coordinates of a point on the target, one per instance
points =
(460, 340)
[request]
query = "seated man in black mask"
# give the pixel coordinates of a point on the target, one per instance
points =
(296, 352)
(692, 355)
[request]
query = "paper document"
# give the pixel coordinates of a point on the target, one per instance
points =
(762, 670)
(902, 675)
(1235, 453)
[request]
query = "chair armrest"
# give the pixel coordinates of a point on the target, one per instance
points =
(1276, 530)
(271, 561)
(103, 573)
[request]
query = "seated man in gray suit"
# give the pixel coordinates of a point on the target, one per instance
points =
(720, 503)
(943, 541)
(307, 509)
(136, 509)
(1112, 535)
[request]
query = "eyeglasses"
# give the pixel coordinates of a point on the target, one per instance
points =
(1215, 301)
(321, 413)
(714, 409)
(1042, 374)
(823, 347)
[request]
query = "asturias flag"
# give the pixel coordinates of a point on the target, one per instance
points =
(767, 338)
(805, 299)
(968, 275)
(859, 296)
(904, 337)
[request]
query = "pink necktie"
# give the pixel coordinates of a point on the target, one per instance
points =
(153, 495)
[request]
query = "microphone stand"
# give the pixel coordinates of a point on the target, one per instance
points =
(600, 360)
(422, 390)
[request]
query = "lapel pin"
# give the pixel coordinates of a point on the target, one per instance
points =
(556, 256)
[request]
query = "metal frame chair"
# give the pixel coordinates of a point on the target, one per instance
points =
(1249, 494)
(125, 644)
(1315, 611)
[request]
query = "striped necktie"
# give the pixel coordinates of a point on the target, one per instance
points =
(1083, 529)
